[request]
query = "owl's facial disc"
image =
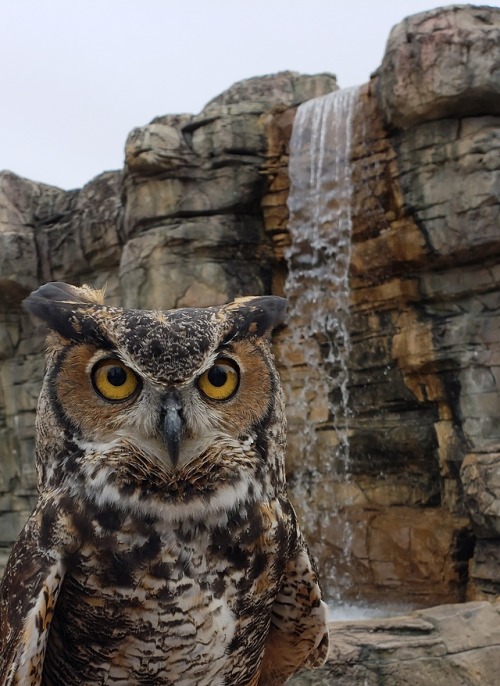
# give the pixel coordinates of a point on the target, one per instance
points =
(172, 425)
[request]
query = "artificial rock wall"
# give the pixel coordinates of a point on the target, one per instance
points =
(430, 252)
(199, 216)
(422, 501)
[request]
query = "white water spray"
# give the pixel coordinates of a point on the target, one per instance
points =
(317, 288)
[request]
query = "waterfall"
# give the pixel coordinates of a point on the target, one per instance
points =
(317, 287)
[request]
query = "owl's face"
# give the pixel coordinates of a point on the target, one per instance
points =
(169, 384)
(109, 394)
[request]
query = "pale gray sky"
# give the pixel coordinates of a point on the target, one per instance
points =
(78, 75)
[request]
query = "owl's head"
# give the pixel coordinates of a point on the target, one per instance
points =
(170, 387)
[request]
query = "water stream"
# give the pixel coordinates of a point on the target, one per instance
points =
(317, 288)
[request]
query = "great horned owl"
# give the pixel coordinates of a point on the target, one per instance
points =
(163, 549)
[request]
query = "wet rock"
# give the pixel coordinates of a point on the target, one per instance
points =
(424, 337)
(481, 480)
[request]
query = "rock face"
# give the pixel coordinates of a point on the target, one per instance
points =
(435, 251)
(45, 234)
(192, 221)
(450, 645)
(421, 503)
(199, 215)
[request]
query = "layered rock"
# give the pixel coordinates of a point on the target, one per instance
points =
(423, 394)
(45, 234)
(192, 189)
(447, 161)
(398, 524)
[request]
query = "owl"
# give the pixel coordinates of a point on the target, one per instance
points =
(163, 548)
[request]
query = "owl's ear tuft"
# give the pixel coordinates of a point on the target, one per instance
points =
(255, 315)
(57, 291)
(56, 304)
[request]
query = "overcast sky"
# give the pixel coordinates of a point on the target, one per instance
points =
(77, 75)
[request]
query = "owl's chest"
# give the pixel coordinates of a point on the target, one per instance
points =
(171, 605)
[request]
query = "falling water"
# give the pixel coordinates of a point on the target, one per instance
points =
(317, 288)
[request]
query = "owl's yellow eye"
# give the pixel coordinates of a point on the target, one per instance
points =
(221, 381)
(114, 381)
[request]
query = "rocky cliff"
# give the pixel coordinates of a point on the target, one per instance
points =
(421, 502)
(199, 215)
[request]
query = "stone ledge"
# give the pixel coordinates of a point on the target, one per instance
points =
(447, 645)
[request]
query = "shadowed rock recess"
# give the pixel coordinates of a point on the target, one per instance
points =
(199, 215)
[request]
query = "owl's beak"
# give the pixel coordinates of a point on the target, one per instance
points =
(172, 425)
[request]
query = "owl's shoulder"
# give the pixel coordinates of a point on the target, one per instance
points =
(28, 594)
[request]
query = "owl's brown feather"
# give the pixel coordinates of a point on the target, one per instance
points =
(140, 566)
(298, 635)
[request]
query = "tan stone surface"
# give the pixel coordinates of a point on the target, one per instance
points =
(450, 645)
(441, 63)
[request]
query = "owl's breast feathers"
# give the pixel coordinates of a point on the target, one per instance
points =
(201, 603)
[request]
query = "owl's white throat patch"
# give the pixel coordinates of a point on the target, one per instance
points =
(101, 487)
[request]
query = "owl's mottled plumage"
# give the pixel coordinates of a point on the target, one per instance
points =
(163, 549)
